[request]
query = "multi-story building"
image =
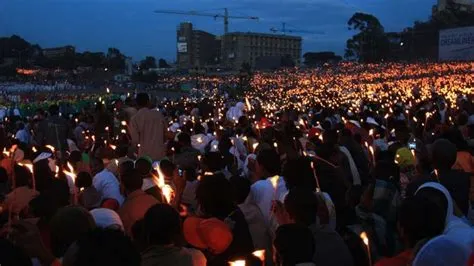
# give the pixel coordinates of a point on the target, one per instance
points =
(247, 47)
(59, 51)
(463, 5)
(196, 48)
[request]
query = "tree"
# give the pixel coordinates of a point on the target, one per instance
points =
(163, 64)
(312, 59)
(370, 44)
(91, 59)
(115, 59)
(148, 62)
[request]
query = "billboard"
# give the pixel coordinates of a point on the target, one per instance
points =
(456, 44)
(182, 47)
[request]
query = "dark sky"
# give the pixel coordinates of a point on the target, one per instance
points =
(131, 25)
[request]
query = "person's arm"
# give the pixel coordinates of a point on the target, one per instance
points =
(134, 132)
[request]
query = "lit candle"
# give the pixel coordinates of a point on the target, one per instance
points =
(318, 187)
(365, 239)
(260, 254)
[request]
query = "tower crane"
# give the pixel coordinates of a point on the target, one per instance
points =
(225, 16)
(284, 30)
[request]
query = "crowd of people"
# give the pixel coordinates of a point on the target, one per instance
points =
(347, 165)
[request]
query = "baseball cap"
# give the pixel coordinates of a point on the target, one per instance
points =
(211, 234)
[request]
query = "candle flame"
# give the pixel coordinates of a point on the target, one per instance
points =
(371, 132)
(124, 123)
(34, 149)
(259, 254)
(364, 238)
(113, 147)
(237, 263)
(27, 165)
(159, 180)
(249, 107)
(50, 147)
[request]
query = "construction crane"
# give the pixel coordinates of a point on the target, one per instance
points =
(215, 16)
(284, 30)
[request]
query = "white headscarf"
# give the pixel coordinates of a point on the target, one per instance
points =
(455, 228)
(441, 251)
(106, 218)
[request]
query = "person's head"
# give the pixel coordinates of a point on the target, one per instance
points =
(83, 180)
(107, 219)
(143, 100)
(443, 154)
(131, 181)
(293, 244)
(419, 219)
(161, 225)
(302, 204)
(144, 167)
(53, 110)
(67, 226)
(268, 163)
(184, 139)
(75, 157)
(97, 165)
(439, 195)
(103, 247)
(43, 174)
(214, 196)
(23, 176)
(20, 126)
(212, 162)
(167, 167)
(298, 173)
(11, 255)
(240, 188)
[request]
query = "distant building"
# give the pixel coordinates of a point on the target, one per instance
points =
(195, 48)
(463, 5)
(59, 51)
(241, 47)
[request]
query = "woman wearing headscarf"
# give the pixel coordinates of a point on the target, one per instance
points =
(455, 228)
(441, 251)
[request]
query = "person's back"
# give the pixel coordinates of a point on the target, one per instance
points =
(147, 130)
(330, 249)
(159, 229)
(54, 130)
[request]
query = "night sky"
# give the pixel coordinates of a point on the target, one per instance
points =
(131, 25)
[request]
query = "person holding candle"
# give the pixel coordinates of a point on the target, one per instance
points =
(294, 245)
(301, 206)
(137, 202)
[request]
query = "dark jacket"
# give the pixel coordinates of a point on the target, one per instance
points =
(54, 131)
(458, 184)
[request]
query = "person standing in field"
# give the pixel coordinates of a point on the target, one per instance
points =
(147, 129)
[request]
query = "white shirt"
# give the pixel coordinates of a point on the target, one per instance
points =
(262, 193)
(108, 186)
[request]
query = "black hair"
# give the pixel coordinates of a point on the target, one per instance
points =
(420, 219)
(23, 176)
(213, 161)
(11, 255)
(67, 226)
(302, 204)
(435, 196)
(444, 154)
(53, 110)
(75, 157)
(106, 247)
(214, 195)
(298, 173)
(143, 167)
(240, 188)
(184, 138)
(294, 244)
(167, 167)
(161, 224)
(270, 160)
(83, 180)
(132, 180)
(142, 99)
